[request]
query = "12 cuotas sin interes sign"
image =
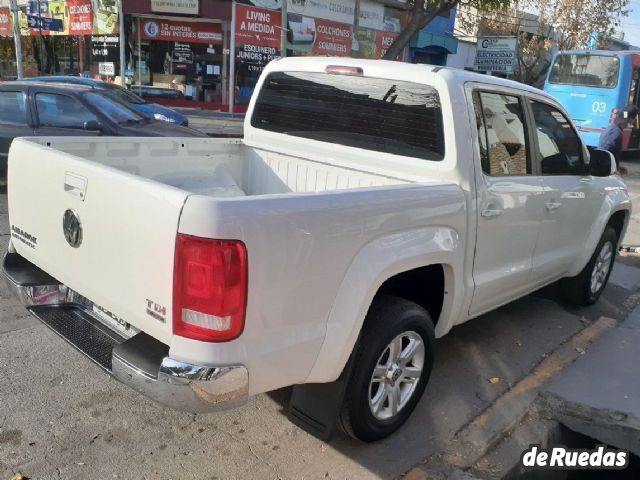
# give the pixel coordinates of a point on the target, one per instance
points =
(496, 54)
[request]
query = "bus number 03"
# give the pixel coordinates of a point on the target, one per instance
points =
(599, 107)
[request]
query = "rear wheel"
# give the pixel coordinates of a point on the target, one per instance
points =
(391, 370)
(586, 287)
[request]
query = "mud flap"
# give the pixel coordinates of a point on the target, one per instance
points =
(315, 407)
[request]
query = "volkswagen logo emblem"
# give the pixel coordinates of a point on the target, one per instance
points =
(72, 228)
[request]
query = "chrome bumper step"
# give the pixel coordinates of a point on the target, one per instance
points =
(82, 331)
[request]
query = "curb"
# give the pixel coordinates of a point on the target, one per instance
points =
(485, 431)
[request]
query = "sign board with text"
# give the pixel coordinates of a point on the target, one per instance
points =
(179, 31)
(496, 54)
(107, 68)
(182, 7)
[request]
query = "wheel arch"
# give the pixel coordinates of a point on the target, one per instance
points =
(427, 253)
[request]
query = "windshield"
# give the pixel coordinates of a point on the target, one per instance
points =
(113, 109)
(124, 95)
(585, 70)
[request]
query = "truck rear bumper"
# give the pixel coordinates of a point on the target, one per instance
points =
(141, 362)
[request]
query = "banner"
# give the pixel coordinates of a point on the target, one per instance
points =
(182, 7)
(342, 11)
(105, 17)
(80, 17)
(258, 26)
(177, 31)
(6, 25)
(332, 39)
(371, 15)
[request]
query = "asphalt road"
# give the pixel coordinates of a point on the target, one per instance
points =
(62, 417)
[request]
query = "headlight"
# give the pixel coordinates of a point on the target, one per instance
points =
(163, 118)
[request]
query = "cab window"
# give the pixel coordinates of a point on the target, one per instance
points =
(501, 134)
(559, 147)
(61, 111)
(13, 108)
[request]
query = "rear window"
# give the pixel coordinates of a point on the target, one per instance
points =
(13, 110)
(585, 70)
(389, 116)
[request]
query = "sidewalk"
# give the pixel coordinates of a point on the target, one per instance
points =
(215, 124)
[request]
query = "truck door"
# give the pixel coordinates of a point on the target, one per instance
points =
(509, 203)
(572, 197)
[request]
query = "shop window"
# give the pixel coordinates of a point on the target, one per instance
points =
(61, 111)
(504, 146)
(13, 110)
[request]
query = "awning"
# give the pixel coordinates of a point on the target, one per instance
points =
(428, 39)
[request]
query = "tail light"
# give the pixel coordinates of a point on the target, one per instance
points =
(209, 288)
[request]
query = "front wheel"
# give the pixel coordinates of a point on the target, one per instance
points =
(586, 287)
(391, 370)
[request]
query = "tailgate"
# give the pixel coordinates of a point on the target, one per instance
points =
(124, 259)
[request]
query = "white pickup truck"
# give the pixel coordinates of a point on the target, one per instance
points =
(369, 208)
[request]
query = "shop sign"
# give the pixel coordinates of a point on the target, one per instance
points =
(175, 31)
(342, 11)
(182, 53)
(107, 68)
(371, 15)
(105, 17)
(105, 49)
(258, 26)
(496, 54)
(332, 39)
(80, 17)
(383, 41)
(182, 7)
(6, 26)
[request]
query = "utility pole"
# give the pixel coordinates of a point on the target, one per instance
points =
(17, 38)
(41, 56)
(123, 60)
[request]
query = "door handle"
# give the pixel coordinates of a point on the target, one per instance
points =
(552, 205)
(491, 212)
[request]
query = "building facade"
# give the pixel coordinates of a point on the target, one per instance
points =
(202, 53)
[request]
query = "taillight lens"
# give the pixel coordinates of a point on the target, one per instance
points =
(209, 288)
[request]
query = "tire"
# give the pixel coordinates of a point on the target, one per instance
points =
(585, 289)
(390, 319)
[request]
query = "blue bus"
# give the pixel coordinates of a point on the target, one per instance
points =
(592, 85)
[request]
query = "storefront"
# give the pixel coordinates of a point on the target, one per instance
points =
(176, 51)
(59, 37)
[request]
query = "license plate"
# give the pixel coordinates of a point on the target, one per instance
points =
(114, 322)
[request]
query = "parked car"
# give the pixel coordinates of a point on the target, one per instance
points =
(154, 110)
(370, 207)
(43, 108)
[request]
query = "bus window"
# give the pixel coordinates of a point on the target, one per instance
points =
(585, 70)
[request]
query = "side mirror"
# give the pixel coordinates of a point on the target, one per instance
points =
(92, 126)
(602, 162)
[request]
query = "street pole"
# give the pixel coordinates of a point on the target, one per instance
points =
(41, 56)
(232, 59)
(123, 67)
(17, 38)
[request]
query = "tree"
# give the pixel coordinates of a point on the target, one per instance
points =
(424, 11)
(560, 25)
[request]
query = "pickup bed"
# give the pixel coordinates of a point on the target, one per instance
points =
(369, 208)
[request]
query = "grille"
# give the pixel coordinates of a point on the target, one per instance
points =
(82, 331)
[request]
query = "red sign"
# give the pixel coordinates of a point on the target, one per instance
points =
(332, 38)
(383, 41)
(6, 27)
(258, 26)
(175, 31)
(80, 17)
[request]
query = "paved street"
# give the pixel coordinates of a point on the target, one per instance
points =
(62, 417)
